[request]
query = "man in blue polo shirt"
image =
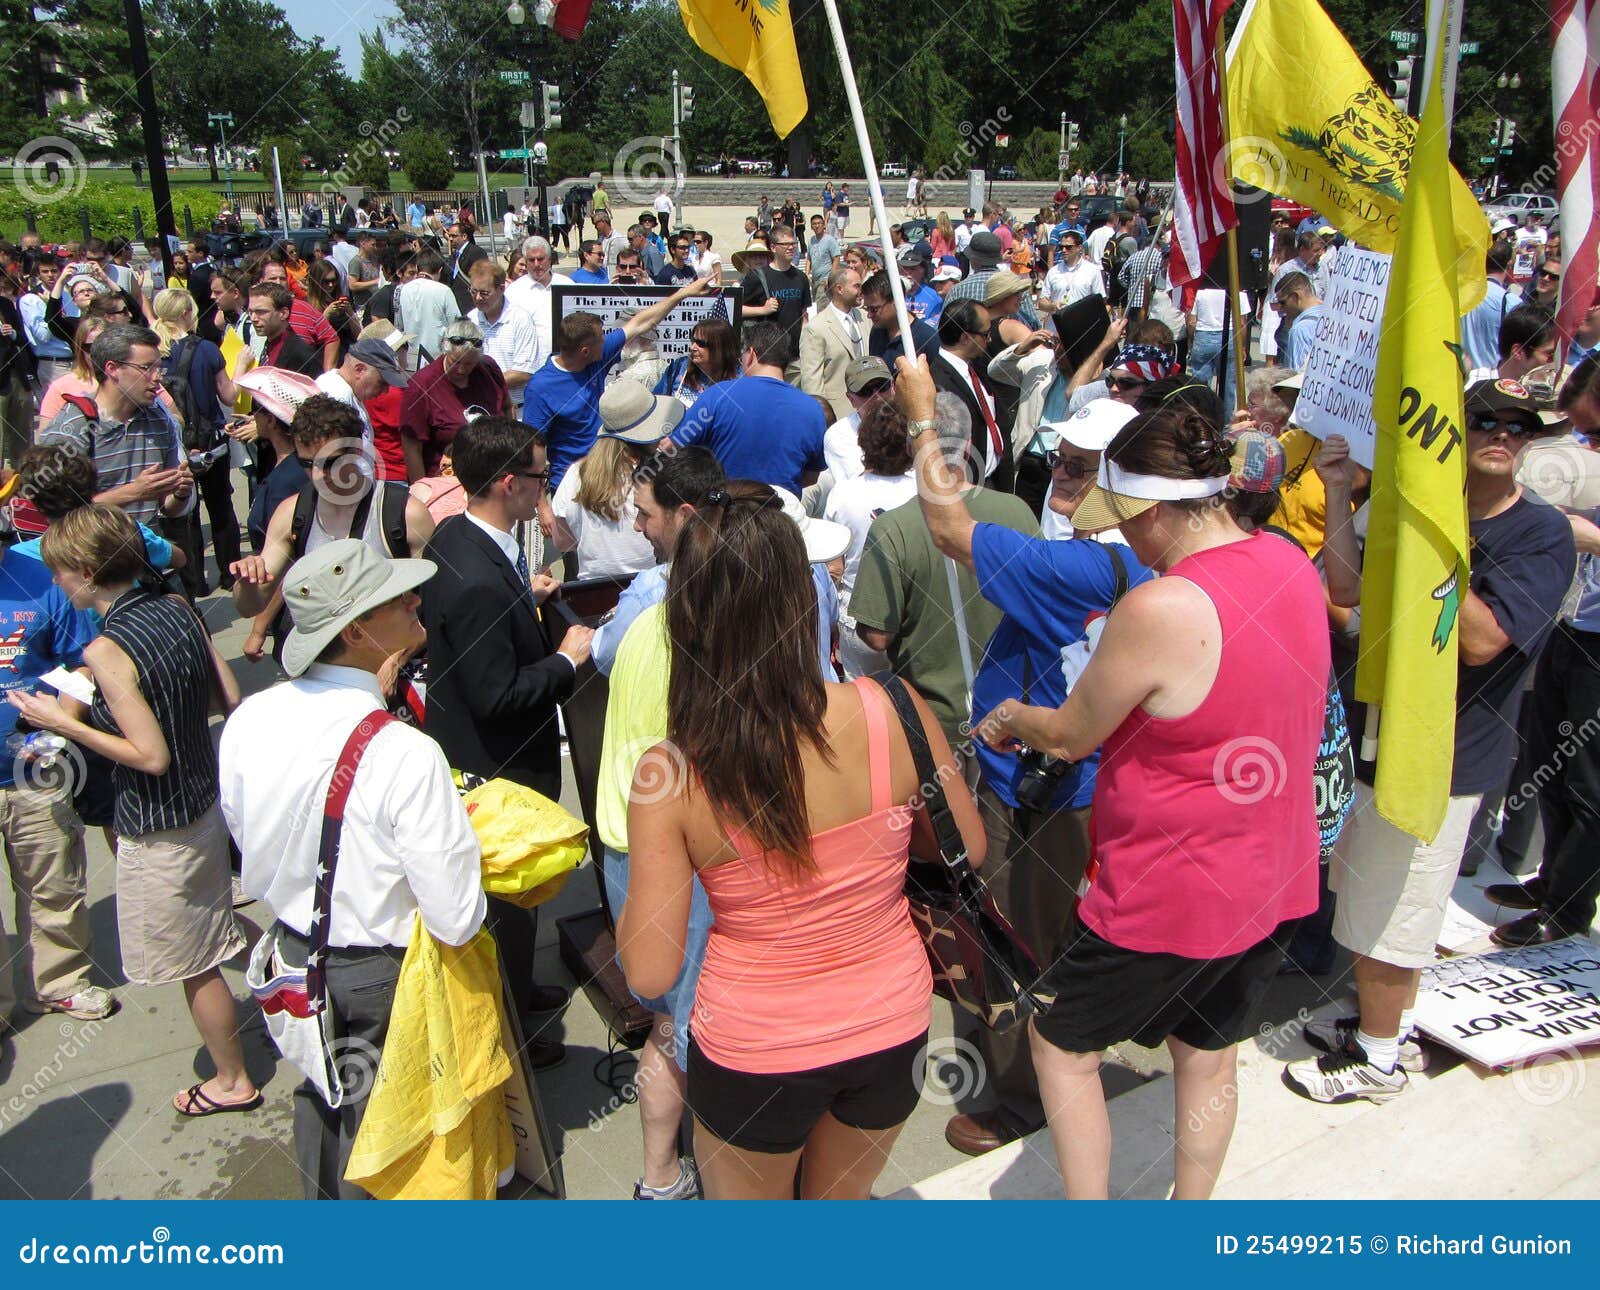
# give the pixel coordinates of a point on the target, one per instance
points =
(562, 399)
(41, 832)
(1047, 591)
(759, 427)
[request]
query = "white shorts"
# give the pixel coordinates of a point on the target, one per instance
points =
(1393, 890)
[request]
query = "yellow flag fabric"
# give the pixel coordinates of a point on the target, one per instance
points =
(231, 348)
(1417, 553)
(530, 844)
(755, 37)
(1309, 124)
(435, 1127)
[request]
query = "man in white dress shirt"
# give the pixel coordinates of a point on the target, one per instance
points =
(509, 336)
(406, 846)
(531, 293)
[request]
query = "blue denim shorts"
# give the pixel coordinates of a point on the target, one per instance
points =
(678, 1002)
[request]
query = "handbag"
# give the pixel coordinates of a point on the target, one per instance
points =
(294, 1000)
(978, 961)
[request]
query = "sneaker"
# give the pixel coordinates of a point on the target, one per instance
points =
(1516, 895)
(1344, 1076)
(1331, 1035)
(686, 1188)
(92, 1003)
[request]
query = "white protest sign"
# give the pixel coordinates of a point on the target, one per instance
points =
(1508, 1007)
(1336, 397)
(672, 333)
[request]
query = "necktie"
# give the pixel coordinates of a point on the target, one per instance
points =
(996, 444)
(853, 332)
(524, 575)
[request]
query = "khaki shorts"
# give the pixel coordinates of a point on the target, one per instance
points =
(1393, 890)
(175, 902)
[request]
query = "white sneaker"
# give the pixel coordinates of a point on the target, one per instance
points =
(687, 1187)
(1344, 1076)
(1331, 1035)
(91, 1003)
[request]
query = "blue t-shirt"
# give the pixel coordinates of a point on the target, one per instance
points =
(758, 428)
(566, 405)
(39, 631)
(589, 275)
(157, 549)
(286, 479)
(1046, 589)
(925, 303)
(923, 338)
(1297, 345)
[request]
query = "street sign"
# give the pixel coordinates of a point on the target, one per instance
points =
(514, 78)
(1469, 47)
(1063, 160)
(515, 154)
(1405, 39)
(1485, 161)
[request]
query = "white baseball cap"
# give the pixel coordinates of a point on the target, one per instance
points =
(1093, 426)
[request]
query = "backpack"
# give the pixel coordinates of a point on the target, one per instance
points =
(1112, 258)
(199, 434)
(393, 518)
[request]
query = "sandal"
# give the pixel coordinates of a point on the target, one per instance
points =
(199, 1105)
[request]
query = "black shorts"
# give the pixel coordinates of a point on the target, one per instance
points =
(776, 1113)
(1105, 994)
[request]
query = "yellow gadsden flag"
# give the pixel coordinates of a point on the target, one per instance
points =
(755, 37)
(1309, 124)
(1415, 569)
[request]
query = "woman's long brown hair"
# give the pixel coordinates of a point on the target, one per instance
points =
(746, 693)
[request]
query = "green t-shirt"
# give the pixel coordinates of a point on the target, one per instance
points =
(600, 201)
(902, 588)
(636, 720)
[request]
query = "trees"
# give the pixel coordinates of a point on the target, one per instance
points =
(425, 157)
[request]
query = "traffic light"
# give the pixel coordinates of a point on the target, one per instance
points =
(1508, 135)
(552, 105)
(1494, 134)
(685, 102)
(1072, 135)
(1400, 76)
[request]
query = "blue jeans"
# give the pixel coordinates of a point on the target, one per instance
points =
(678, 1002)
(1204, 350)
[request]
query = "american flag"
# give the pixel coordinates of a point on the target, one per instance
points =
(1575, 94)
(1202, 203)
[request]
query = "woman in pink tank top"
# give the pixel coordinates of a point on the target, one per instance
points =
(1206, 696)
(793, 805)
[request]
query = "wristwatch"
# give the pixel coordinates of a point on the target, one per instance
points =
(915, 428)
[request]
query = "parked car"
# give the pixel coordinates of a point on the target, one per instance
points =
(1517, 206)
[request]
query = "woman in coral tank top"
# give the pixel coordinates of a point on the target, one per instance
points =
(1206, 696)
(791, 799)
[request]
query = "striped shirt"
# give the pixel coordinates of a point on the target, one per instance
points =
(976, 285)
(170, 650)
(122, 450)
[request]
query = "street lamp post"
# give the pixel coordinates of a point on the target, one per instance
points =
(543, 14)
(1122, 135)
(1062, 159)
(222, 120)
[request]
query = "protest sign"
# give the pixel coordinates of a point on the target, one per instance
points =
(608, 302)
(1336, 396)
(1511, 1006)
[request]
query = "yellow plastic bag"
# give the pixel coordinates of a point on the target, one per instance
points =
(435, 1126)
(530, 844)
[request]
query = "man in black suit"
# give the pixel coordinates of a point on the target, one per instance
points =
(464, 253)
(493, 678)
(958, 369)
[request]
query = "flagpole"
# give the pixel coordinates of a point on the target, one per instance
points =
(858, 118)
(1241, 338)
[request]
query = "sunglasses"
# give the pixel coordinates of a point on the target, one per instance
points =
(1486, 423)
(1125, 383)
(1076, 467)
(464, 342)
(1553, 277)
(531, 474)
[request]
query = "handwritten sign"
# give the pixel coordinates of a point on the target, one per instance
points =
(608, 302)
(1336, 397)
(1508, 1007)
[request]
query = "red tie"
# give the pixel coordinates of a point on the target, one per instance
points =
(995, 441)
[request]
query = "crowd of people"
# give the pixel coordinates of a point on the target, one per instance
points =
(1045, 555)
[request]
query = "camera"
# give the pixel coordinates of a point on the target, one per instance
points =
(1041, 777)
